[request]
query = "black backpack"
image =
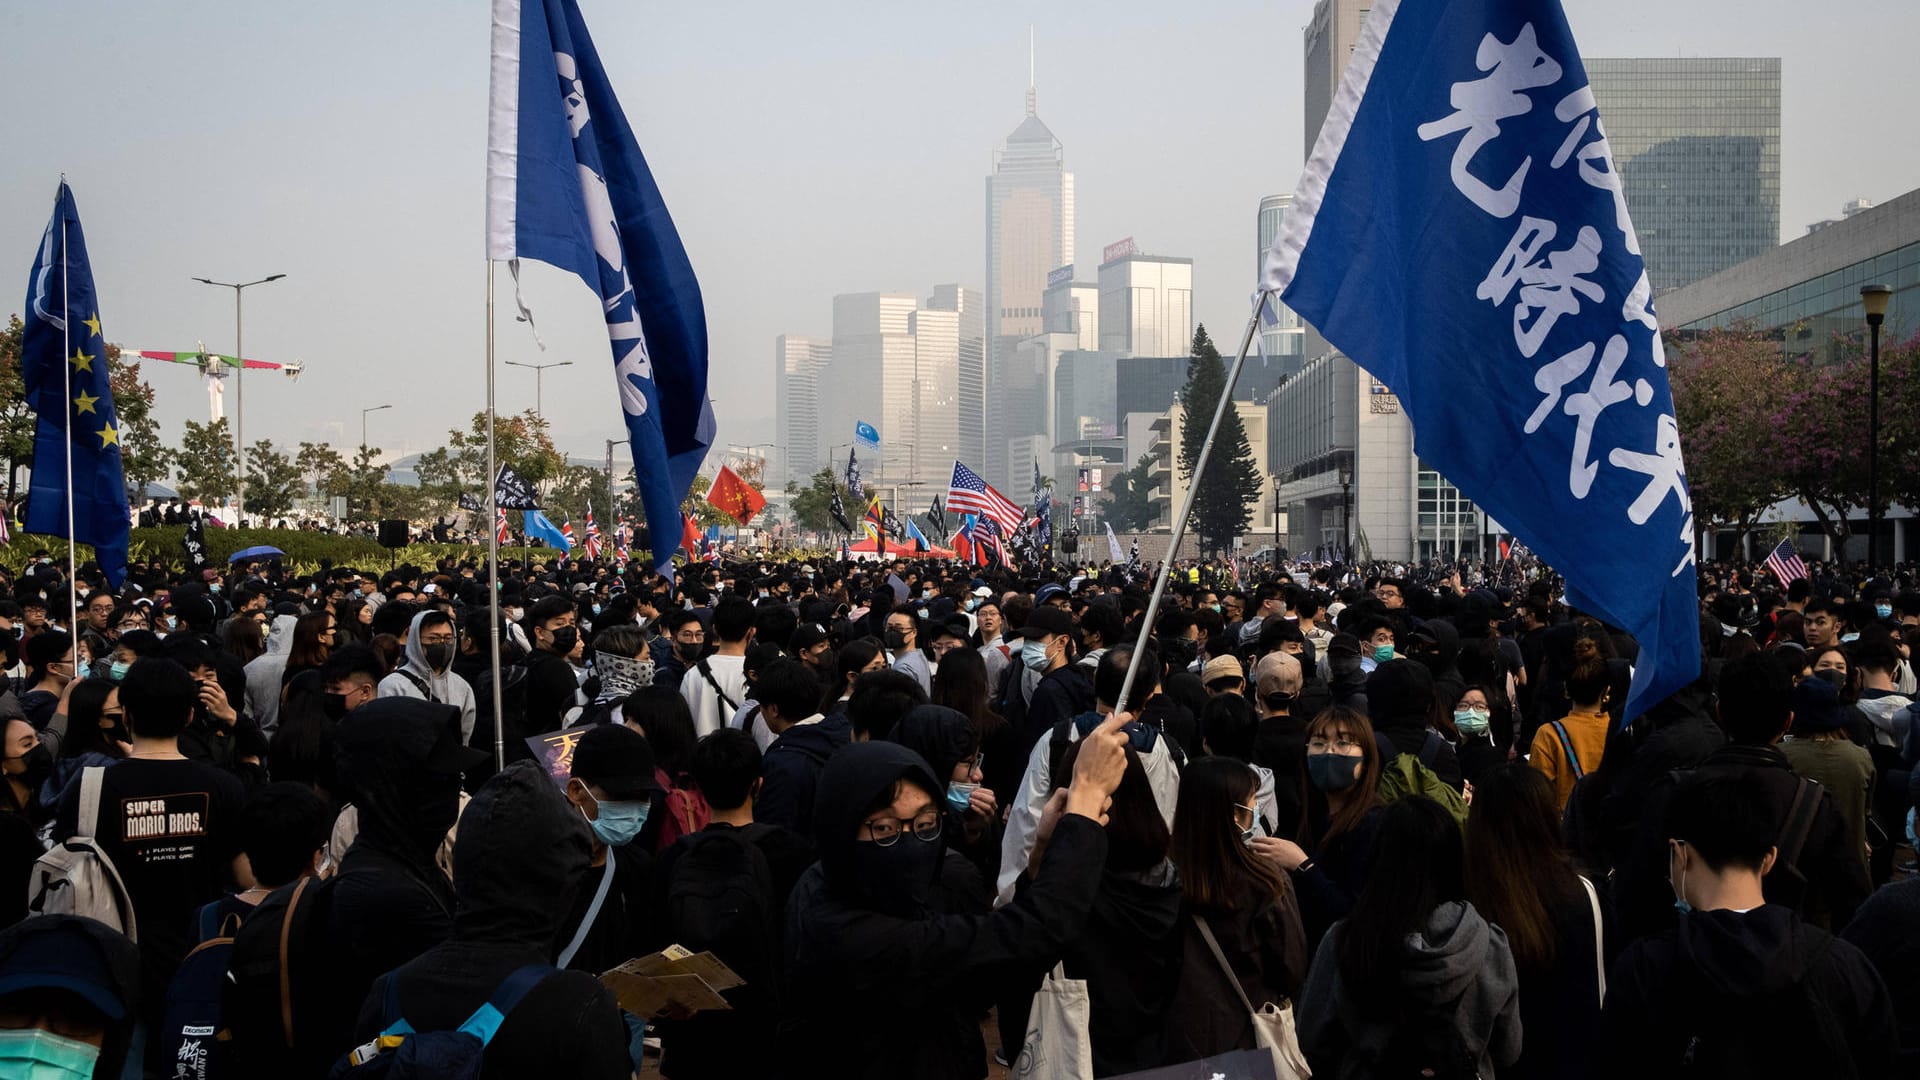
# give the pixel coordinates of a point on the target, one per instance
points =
(721, 898)
(193, 1034)
(278, 992)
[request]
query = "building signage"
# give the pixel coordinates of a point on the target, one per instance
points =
(1118, 250)
(1059, 275)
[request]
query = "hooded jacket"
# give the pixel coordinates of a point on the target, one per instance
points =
(1458, 992)
(882, 996)
(517, 866)
(442, 686)
(264, 674)
(1400, 697)
(791, 770)
(945, 738)
(1753, 994)
(1130, 955)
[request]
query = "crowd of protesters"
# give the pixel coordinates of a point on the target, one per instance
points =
(900, 800)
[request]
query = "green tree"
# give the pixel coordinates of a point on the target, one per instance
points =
(364, 483)
(16, 420)
(1728, 389)
(571, 491)
(1223, 505)
(1129, 506)
(322, 468)
(144, 456)
(812, 505)
(205, 462)
(521, 441)
(273, 480)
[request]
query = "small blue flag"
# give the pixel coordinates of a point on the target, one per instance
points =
(1461, 232)
(63, 361)
(566, 184)
(537, 527)
(919, 538)
(866, 435)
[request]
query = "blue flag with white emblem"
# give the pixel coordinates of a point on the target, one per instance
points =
(63, 361)
(567, 185)
(1461, 233)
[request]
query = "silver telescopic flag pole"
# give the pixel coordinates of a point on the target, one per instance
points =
(66, 372)
(493, 549)
(1186, 505)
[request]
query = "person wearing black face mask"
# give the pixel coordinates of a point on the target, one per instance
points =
(428, 670)
(26, 764)
(553, 688)
(886, 980)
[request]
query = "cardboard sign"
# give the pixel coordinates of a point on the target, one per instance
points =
(672, 980)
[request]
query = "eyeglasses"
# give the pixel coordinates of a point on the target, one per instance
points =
(1340, 745)
(886, 832)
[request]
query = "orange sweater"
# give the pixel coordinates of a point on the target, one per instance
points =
(1588, 733)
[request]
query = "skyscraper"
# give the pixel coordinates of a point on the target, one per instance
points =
(1146, 303)
(1330, 37)
(969, 406)
(1283, 337)
(797, 366)
(871, 379)
(1029, 232)
(1697, 143)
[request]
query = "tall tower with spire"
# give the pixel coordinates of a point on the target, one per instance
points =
(1029, 233)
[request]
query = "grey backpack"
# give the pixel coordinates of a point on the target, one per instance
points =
(75, 877)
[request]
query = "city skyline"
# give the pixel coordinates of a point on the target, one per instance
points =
(368, 194)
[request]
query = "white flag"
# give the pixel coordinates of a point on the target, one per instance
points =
(1113, 545)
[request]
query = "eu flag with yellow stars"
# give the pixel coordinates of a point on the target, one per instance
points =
(63, 359)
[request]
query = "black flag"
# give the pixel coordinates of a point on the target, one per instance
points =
(471, 502)
(512, 491)
(839, 511)
(938, 518)
(194, 543)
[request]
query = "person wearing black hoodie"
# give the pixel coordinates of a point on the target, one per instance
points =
(1400, 698)
(890, 987)
(1740, 987)
(517, 865)
(804, 740)
(400, 761)
(950, 745)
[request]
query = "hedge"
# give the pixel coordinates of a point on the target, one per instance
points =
(304, 550)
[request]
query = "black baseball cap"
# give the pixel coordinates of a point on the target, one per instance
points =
(80, 956)
(1047, 620)
(616, 759)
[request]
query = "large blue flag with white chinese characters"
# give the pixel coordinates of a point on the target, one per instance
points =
(1460, 232)
(567, 185)
(63, 361)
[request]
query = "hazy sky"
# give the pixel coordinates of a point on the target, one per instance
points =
(805, 150)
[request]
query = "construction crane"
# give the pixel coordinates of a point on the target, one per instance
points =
(213, 366)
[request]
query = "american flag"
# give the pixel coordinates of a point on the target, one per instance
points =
(592, 541)
(968, 494)
(1786, 564)
(986, 537)
(500, 524)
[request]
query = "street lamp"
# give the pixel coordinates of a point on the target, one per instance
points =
(1346, 506)
(613, 517)
(1874, 299)
(363, 423)
(239, 399)
(539, 375)
(1276, 521)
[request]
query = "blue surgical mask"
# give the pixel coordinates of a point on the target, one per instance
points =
(619, 822)
(1034, 655)
(1883, 611)
(960, 796)
(82, 669)
(1680, 890)
(1470, 721)
(1382, 653)
(214, 587)
(1848, 639)
(118, 670)
(38, 1054)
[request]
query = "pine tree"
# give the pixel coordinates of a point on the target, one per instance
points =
(1223, 506)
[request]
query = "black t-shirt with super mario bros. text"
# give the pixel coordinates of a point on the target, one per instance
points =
(172, 829)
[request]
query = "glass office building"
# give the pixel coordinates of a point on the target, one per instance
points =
(1697, 144)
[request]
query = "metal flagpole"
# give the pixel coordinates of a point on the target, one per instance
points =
(1186, 507)
(493, 549)
(66, 373)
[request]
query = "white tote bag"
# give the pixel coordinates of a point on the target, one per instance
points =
(1273, 1029)
(1057, 1046)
